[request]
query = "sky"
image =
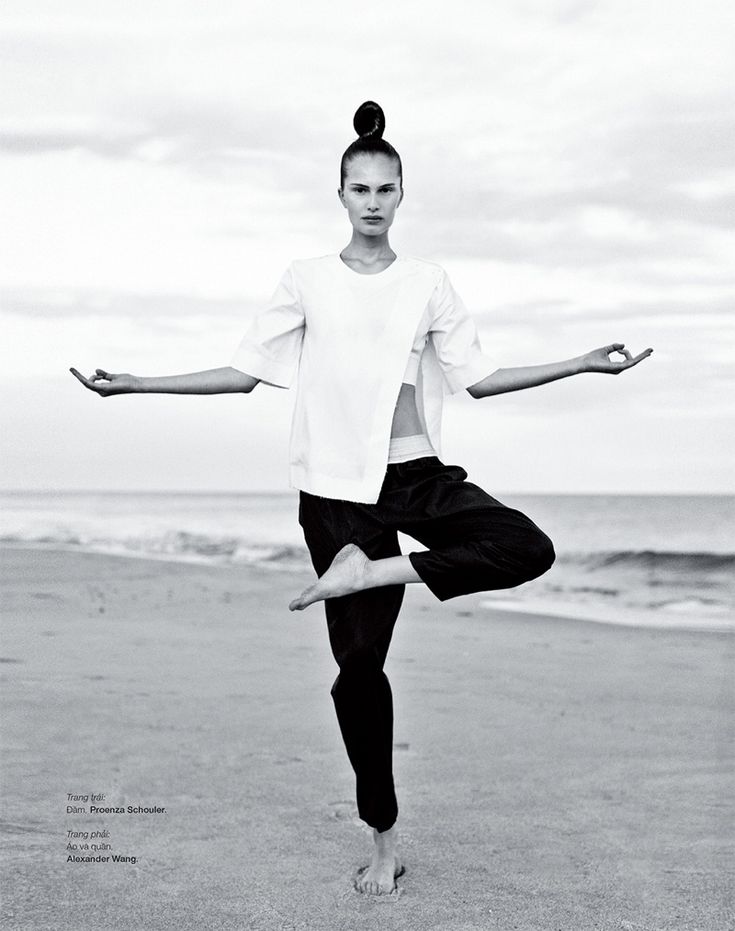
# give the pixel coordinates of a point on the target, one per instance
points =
(569, 163)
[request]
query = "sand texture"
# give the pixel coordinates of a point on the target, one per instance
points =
(551, 773)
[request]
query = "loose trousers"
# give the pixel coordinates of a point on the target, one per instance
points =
(475, 544)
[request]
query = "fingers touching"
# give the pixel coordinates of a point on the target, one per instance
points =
(634, 360)
(91, 382)
(630, 360)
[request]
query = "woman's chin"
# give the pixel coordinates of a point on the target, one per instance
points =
(368, 229)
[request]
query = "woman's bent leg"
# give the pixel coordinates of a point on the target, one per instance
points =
(475, 542)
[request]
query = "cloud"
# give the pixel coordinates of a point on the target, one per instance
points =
(70, 304)
(202, 137)
(680, 312)
(31, 142)
(570, 160)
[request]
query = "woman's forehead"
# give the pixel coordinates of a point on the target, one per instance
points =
(373, 168)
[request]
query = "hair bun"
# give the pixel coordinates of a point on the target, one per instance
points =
(369, 120)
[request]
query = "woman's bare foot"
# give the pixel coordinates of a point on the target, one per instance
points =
(386, 866)
(348, 573)
(352, 571)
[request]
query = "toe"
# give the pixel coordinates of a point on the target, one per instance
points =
(308, 596)
(301, 601)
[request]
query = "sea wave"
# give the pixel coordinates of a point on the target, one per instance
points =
(239, 550)
(177, 545)
(673, 586)
(652, 559)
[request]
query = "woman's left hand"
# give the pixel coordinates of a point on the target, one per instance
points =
(599, 359)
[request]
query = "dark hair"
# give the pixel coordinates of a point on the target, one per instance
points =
(369, 123)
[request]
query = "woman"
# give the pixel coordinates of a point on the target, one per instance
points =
(377, 339)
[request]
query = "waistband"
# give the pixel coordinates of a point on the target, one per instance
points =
(404, 448)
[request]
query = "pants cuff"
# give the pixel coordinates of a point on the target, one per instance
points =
(421, 563)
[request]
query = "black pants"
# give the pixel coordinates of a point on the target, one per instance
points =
(475, 544)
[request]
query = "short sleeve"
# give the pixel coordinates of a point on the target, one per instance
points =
(453, 334)
(271, 347)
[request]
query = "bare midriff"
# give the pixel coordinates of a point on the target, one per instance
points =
(406, 420)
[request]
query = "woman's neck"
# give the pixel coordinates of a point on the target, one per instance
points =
(368, 251)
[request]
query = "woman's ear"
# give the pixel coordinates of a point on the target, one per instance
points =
(341, 196)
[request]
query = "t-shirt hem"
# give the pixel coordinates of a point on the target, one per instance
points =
(340, 489)
(252, 362)
(466, 375)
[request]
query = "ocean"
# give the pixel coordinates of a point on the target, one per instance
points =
(653, 560)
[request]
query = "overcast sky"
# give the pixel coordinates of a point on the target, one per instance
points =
(569, 163)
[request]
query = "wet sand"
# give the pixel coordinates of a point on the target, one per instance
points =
(550, 773)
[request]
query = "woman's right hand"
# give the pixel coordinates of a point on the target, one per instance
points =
(107, 383)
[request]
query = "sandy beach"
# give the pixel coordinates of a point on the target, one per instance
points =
(551, 773)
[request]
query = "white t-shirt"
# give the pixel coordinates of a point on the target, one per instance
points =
(351, 337)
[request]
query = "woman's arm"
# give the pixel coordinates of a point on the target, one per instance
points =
(212, 381)
(504, 380)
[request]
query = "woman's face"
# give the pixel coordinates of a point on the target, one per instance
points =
(371, 192)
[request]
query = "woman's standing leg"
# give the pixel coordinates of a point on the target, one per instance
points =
(360, 629)
(363, 701)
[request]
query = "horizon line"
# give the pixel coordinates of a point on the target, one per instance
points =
(294, 491)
